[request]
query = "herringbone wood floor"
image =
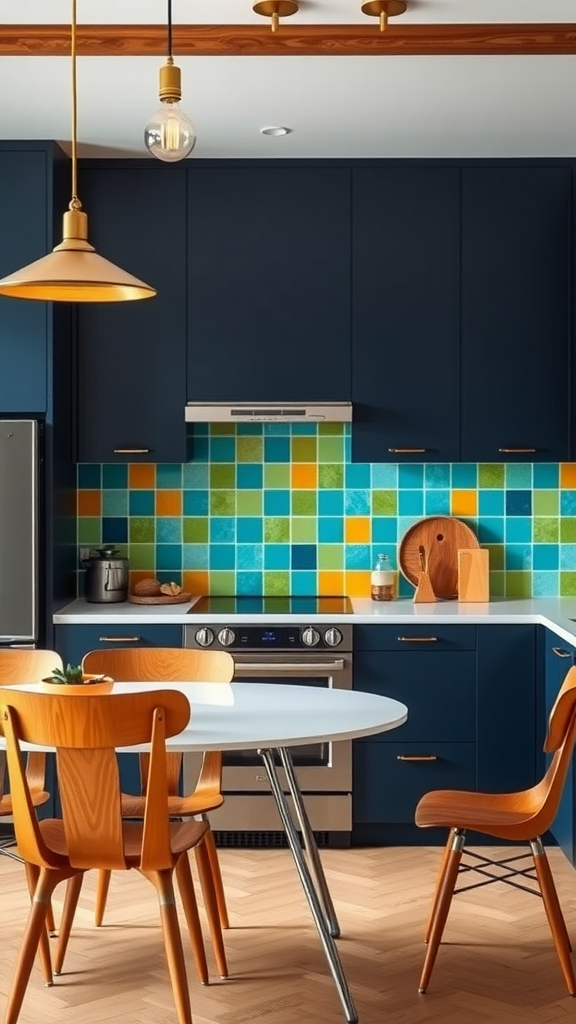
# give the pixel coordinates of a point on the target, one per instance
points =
(497, 964)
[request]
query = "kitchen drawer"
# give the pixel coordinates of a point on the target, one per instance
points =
(428, 637)
(73, 642)
(387, 789)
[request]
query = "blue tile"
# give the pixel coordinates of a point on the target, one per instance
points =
(518, 475)
(303, 556)
(384, 530)
(568, 557)
(546, 556)
(276, 556)
(223, 449)
(277, 429)
(568, 503)
(115, 503)
(411, 475)
(249, 556)
(358, 556)
(249, 583)
(518, 556)
(384, 549)
(357, 476)
(222, 556)
(303, 583)
(331, 503)
(169, 530)
(195, 503)
(246, 429)
(437, 503)
(276, 503)
(437, 474)
(357, 503)
(276, 449)
(249, 475)
(168, 476)
(330, 530)
(304, 429)
(347, 448)
(491, 503)
(115, 530)
(249, 530)
(114, 476)
(410, 503)
(518, 503)
(545, 584)
(195, 556)
(201, 449)
(141, 503)
(404, 524)
(195, 476)
(465, 476)
(169, 556)
(519, 530)
(222, 529)
(491, 530)
(546, 475)
(89, 476)
(384, 476)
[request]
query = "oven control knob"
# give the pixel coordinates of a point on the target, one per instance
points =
(333, 637)
(204, 637)
(226, 637)
(310, 637)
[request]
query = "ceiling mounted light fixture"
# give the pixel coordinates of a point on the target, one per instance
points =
(73, 271)
(275, 9)
(170, 134)
(275, 129)
(383, 9)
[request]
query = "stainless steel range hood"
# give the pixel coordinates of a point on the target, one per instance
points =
(268, 412)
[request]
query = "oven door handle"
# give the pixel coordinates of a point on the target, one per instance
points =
(289, 667)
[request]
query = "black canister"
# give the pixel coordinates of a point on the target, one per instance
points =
(106, 576)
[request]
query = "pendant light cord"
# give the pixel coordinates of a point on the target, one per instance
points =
(75, 203)
(169, 28)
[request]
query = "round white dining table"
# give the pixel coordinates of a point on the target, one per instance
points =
(271, 718)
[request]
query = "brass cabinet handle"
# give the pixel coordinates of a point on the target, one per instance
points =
(131, 451)
(417, 639)
(120, 639)
(519, 450)
(407, 451)
(416, 757)
(561, 652)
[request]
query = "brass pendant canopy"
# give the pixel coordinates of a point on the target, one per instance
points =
(275, 9)
(383, 9)
(73, 271)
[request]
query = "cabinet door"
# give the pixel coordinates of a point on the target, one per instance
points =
(269, 283)
(516, 297)
(559, 657)
(132, 355)
(406, 313)
(24, 237)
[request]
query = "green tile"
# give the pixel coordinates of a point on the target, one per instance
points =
(331, 449)
(219, 429)
(331, 476)
(249, 449)
(248, 503)
(304, 531)
(568, 584)
(89, 530)
(568, 530)
(384, 503)
(545, 531)
(496, 556)
(222, 582)
(277, 583)
(332, 428)
(519, 583)
(222, 503)
(491, 475)
(142, 556)
(277, 475)
(545, 503)
(222, 476)
(276, 530)
(304, 503)
(142, 530)
(195, 530)
(331, 556)
(304, 449)
(497, 581)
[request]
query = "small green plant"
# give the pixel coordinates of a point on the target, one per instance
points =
(71, 675)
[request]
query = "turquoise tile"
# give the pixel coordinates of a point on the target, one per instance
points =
(567, 557)
(331, 503)
(169, 557)
(114, 503)
(546, 556)
(357, 503)
(568, 503)
(330, 530)
(385, 476)
(491, 503)
(249, 476)
(249, 557)
(169, 476)
(437, 475)
(249, 582)
(169, 530)
(114, 476)
(276, 556)
(410, 503)
(303, 582)
(411, 476)
(465, 476)
(546, 475)
(358, 556)
(518, 556)
(223, 530)
(195, 476)
(519, 530)
(357, 476)
(195, 556)
(519, 476)
(437, 503)
(545, 584)
(384, 530)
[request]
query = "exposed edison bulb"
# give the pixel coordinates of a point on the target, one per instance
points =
(170, 134)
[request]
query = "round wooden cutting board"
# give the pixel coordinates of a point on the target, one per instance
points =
(181, 598)
(440, 537)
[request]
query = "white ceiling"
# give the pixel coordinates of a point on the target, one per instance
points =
(335, 106)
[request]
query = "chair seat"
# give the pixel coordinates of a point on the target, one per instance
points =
(39, 797)
(178, 806)
(183, 836)
(502, 815)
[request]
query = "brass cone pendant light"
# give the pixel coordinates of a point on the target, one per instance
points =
(73, 271)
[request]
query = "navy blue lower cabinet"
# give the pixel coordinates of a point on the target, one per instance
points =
(559, 657)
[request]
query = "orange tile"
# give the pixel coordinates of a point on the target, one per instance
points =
(142, 474)
(305, 476)
(138, 574)
(464, 503)
(168, 503)
(195, 581)
(330, 583)
(358, 584)
(568, 474)
(357, 530)
(89, 503)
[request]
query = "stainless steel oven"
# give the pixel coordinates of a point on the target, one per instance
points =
(305, 654)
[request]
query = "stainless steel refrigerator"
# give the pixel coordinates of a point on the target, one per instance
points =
(18, 533)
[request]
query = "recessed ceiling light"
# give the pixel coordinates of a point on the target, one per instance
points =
(275, 129)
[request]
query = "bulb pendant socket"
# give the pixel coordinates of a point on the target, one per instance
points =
(170, 83)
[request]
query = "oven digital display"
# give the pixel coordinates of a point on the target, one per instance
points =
(279, 636)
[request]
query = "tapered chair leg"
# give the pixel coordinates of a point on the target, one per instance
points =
(439, 878)
(553, 913)
(442, 901)
(102, 886)
(32, 876)
(50, 922)
(162, 880)
(73, 889)
(34, 934)
(217, 878)
(186, 887)
(211, 907)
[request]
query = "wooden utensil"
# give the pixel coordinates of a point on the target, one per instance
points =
(424, 591)
(441, 537)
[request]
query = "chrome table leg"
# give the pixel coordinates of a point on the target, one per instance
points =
(310, 842)
(329, 946)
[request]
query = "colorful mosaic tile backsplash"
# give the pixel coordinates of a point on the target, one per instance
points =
(280, 509)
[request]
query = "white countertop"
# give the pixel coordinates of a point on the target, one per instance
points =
(556, 613)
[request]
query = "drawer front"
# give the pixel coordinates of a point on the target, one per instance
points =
(388, 785)
(415, 636)
(73, 642)
(440, 692)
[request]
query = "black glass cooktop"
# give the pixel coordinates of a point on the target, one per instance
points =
(248, 605)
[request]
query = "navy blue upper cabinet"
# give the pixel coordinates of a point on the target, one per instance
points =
(406, 313)
(132, 355)
(26, 202)
(268, 282)
(516, 297)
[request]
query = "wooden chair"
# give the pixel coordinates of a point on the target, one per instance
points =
(92, 832)
(169, 664)
(522, 817)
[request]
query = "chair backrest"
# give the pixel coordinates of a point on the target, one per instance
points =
(85, 730)
(559, 742)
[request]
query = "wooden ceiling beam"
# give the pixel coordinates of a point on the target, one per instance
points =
(302, 41)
